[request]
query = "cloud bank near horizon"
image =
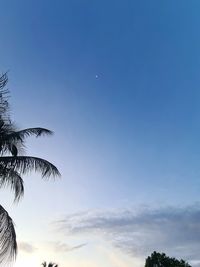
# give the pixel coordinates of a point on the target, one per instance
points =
(63, 247)
(173, 230)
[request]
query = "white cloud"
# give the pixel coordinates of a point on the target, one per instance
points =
(26, 247)
(175, 231)
(63, 247)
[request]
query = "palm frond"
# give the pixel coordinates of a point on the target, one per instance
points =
(8, 244)
(24, 164)
(9, 136)
(10, 177)
(3, 80)
(20, 135)
(6, 128)
(12, 167)
(4, 105)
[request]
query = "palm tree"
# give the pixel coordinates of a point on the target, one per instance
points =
(50, 264)
(13, 165)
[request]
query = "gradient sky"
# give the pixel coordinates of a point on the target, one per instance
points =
(119, 84)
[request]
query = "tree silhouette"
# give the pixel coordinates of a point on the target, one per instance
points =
(161, 260)
(50, 264)
(13, 165)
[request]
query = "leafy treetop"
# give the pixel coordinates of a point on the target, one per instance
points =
(161, 260)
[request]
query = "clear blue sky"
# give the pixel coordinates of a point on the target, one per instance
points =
(119, 83)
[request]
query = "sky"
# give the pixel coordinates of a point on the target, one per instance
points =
(118, 82)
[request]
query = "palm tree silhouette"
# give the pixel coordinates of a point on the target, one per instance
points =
(50, 264)
(13, 166)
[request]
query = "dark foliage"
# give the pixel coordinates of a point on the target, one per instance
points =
(13, 166)
(161, 260)
(50, 264)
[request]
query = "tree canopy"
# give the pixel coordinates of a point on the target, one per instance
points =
(161, 260)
